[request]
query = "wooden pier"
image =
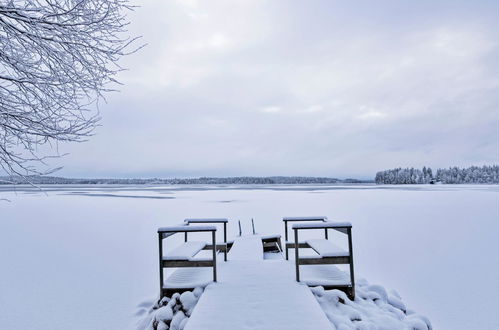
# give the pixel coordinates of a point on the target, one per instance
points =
(254, 287)
(253, 293)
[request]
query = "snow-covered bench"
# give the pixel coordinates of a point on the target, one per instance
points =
(327, 252)
(184, 254)
(291, 244)
(220, 246)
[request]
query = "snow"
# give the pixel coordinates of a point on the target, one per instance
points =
(171, 312)
(185, 229)
(189, 277)
(316, 275)
(244, 299)
(184, 251)
(326, 248)
(100, 253)
(269, 236)
(321, 225)
(247, 247)
(189, 301)
(320, 218)
(373, 308)
(207, 220)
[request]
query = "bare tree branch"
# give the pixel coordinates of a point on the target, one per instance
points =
(57, 59)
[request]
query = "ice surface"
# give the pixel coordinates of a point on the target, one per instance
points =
(326, 248)
(100, 254)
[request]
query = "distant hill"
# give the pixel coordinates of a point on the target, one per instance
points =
(201, 180)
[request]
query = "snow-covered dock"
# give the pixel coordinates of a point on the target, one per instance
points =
(253, 293)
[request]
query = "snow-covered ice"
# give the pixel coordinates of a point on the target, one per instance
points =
(85, 258)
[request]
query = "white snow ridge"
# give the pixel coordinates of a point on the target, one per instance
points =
(171, 313)
(372, 309)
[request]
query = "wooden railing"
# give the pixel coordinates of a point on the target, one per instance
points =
(324, 258)
(185, 261)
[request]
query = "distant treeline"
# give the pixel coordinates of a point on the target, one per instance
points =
(451, 175)
(202, 180)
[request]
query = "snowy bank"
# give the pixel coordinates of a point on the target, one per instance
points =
(373, 309)
(171, 313)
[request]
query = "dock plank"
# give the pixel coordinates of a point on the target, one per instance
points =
(256, 294)
(247, 248)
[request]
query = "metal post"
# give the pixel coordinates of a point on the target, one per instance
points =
(225, 241)
(185, 237)
(279, 244)
(286, 230)
(286, 238)
(325, 233)
(214, 256)
(160, 244)
(253, 225)
(296, 256)
(240, 231)
(350, 251)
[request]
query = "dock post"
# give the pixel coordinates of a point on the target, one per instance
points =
(350, 251)
(325, 233)
(214, 256)
(225, 241)
(160, 244)
(296, 256)
(240, 231)
(286, 239)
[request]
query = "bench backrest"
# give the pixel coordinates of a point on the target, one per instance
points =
(300, 219)
(185, 251)
(223, 221)
(342, 227)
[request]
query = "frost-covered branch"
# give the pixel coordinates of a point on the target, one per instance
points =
(57, 59)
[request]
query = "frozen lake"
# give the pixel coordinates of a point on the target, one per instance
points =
(84, 257)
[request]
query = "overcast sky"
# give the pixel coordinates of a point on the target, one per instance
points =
(319, 88)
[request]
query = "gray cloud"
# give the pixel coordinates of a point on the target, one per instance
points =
(305, 88)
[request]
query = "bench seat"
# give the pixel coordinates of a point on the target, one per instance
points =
(189, 278)
(325, 275)
(185, 251)
(270, 236)
(326, 248)
(293, 242)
